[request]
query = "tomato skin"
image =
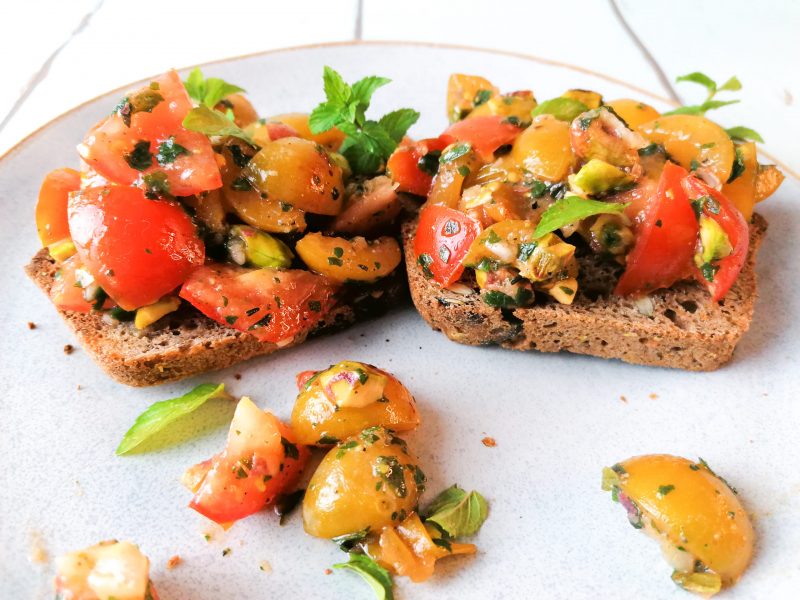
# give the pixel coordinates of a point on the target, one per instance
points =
(106, 145)
(444, 233)
(302, 378)
(734, 226)
(665, 238)
(51, 207)
(403, 165)
(227, 294)
(260, 461)
(485, 134)
(137, 249)
(66, 293)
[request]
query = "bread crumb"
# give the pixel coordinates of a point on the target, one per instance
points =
(79, 387)
(69, 349)
(653, 396)
(265, 566)
(624, 399)
(174, 561)
(31, 325)
(489, 442)
(328, 571)
(237, 376)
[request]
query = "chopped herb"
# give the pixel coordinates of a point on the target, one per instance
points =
(241, 184)
(463, 170)
(263, 322)
(498, 299)
(156, 184)
(314, 305)
(231, 319)
(694, 165)
(491, 237)
(453, 152)
(429, 163)
(169, 150)
(652, 149)
(425, 261)
(286, 503)
(140, 158)
(251, 311)
(332, 260)
(538, 188)
(526, 250)
(338, 252)
(482, 97)
(663, 490)
(391, 472)
(344, 447)
(349, 541)
(738, 165)
(327, 440)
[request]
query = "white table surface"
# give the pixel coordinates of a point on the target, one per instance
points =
(57, 54)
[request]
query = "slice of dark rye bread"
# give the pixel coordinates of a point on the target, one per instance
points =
(685, 330)
(186, 343)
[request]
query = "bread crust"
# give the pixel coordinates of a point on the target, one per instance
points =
(685, 331)
(186, 343)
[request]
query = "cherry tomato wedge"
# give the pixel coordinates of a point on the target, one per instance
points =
(665, 238)
(443, 238)
(735, 227)
(271, 304)
(144, 143)
(67, 291)
(410, 170)
(137, 249)
(261, 460)
(51, 208)
(484, 134)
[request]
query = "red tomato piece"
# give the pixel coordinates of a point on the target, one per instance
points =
(406, 170)
(137, 249)
(724, 212)
(665, 238)
(443, 238)
(277, 131)
(302, 378)
(270, 304)
(67, 291)
(261, 460)
(51, 207)
(144, 143)
(484, 134)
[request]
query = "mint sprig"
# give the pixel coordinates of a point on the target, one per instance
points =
(369, 143)
(733, 84)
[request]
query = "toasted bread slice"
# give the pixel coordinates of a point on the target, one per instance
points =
(186, 343)
(679, 327)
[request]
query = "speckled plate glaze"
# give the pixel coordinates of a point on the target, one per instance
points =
(557, 419)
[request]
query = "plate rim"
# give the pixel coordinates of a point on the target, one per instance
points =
(344, 43)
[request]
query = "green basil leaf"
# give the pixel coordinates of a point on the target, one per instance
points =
(457, 512)
(213, 123)
(161, 414)
(701, 79)
(744, 133)
(572, 209)
(563, 109)
(208, 91)
(375, 575)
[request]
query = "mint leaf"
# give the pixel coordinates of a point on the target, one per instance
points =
(732, 85)
(457, 512)
(161, 414)
(572, 209)
(563, 109)
(212, 122)
(375, 575)
(741, 133)
(700, 78)
(208, 91)
(368, 143)
(398, 122)
(336, 90)
(364, 88)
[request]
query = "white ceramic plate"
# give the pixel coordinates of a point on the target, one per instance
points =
(557, 418)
